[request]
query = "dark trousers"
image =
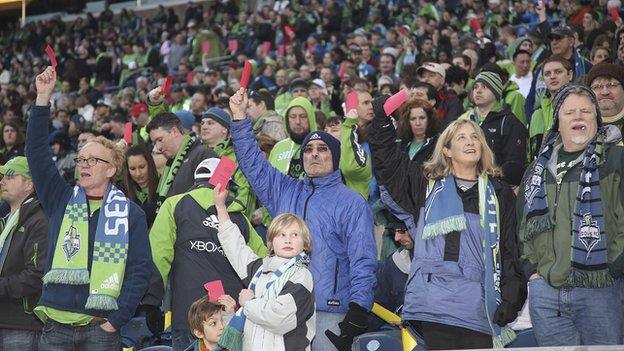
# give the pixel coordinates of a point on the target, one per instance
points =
(91, 337)
(16, 339)
(447, 337)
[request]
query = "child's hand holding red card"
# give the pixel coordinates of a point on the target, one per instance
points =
(395, 101)
(223, 173)
(244, 82)
(214, 289)
(50, 52)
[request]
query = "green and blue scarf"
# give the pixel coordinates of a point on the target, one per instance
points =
(232, 337)
(110, 249)
(444, 213)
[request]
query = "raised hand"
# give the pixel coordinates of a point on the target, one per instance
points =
(155, 96)
(45, 86)
(228, 303)
(238, 104)
(219, 195)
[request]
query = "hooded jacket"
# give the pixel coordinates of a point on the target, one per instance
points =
(187, 251)
(286, 150)
(344, 259)
(20, 278)
(541, 122)
(548, 253)
(507, 138)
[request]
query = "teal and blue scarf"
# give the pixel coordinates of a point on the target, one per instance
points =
(232, 337)
(444, 213)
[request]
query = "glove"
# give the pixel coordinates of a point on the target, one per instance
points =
(378, 109)
(505, 314)
(154, 318)
(353, 324)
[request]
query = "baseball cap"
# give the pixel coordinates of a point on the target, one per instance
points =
(206, 168)
(321, 84)
(137, 109)
(431, 67)
(16, 166)
(561, 31)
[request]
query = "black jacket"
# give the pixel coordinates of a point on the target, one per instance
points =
(20, 279)
(507, 137)
(404, 181)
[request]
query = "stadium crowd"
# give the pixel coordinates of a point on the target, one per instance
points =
(458, 162)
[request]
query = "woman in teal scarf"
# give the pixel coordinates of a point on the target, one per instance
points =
(464, 285)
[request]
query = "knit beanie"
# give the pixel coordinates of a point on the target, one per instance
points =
(219, 115)
(605, 69)
(332, 143)
(563, 93)
(492, 81)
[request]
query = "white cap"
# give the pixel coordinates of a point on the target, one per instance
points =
(206, 168)
(431, 67)
(320, 83)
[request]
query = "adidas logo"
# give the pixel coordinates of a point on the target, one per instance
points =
(315, 136)
(211, 222)
(111, 282)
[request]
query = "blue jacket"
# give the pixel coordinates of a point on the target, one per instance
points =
(54, 194)
(344, 257)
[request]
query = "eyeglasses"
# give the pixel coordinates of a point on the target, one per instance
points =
(609, 86)
(321, 148)
(91, 161)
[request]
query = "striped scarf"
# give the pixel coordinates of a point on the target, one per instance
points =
(589, 244)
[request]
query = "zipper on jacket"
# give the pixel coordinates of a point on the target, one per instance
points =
(336, 278)
(35, 255)
(305, 206)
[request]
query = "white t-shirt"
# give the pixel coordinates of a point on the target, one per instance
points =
(524, 83)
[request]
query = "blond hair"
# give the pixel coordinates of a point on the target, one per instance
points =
(282, 221)
(117, 153)
(440, 166)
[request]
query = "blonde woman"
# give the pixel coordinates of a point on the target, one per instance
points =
(464, 285)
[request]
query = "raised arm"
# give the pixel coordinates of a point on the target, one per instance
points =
(393, 169)
(267, 182)
(51, 189)
(355, 163)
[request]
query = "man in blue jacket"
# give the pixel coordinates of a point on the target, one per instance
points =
(99, 260)
(344, 260)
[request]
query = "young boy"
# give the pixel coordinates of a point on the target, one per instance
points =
(206, 321)
(277, 311)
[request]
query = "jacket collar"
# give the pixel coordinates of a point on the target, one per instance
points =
(323, 182)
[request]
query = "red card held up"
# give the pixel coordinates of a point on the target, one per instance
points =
(342, 70)
(214, 289)
(50, 52)
(233, 45)
(614, 13)
(206, 47)
(404, 30)
(166, 88)
(223, 173)
(281, 50)
(475, 25)
(351, 101)
(244, 82)
(395, 101)
(289, 32)
(266, 47)
(128, 133)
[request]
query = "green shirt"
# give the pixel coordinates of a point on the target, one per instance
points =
(414, 148)
(565, 161)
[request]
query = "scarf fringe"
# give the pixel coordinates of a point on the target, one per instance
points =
(506, 337)
(101, 302)
(536, 225)
(445, 226)
(589, 279)
(231, 339)
(67, 276)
